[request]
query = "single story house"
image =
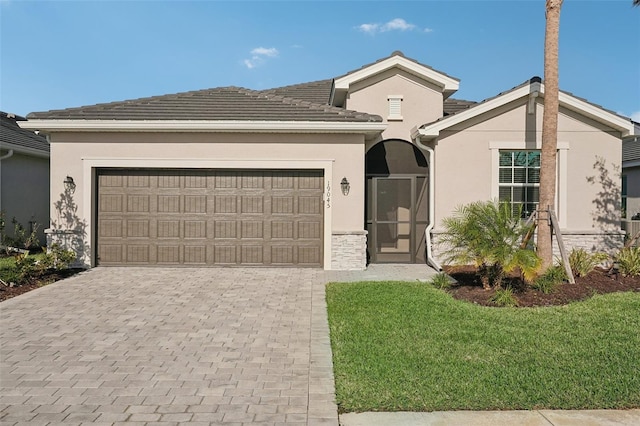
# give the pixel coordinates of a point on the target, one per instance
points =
(24, 177)
(334, 173)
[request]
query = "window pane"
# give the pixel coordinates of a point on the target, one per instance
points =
(506, 176)
(534, 158)
(534, 176)
(518, 195)
(505, 158)
(520, 158)
(519, 175)
(533, 194)
(504, 193)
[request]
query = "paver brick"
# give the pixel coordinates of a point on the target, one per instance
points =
(194, 345)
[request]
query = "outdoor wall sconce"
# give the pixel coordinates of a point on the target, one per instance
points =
(345, 186)
(69, 185)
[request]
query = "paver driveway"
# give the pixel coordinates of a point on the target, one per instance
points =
(111, 345)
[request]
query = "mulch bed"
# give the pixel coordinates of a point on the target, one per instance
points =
(469, 288)
(48, 278)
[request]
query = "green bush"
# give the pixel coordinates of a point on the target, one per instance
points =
(24, 267)
(629, 261)
(58, 258)
(582, 262)
(504, 297)
(488, 235)
(548, 281)
(441, 281)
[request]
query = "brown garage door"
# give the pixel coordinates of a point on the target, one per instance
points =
(210, 217)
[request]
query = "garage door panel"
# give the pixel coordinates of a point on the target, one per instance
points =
(252, 254)
(168, 254)
(210, 217)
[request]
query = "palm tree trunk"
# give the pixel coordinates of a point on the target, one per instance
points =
(549, 132)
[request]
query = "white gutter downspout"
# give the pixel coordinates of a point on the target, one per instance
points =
(427, 232)
(7, 155)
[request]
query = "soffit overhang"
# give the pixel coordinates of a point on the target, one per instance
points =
(48, 126)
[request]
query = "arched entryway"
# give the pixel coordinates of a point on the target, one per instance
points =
(396, 202)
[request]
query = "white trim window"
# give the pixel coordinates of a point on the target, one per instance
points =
(395, 107)
(519, 180)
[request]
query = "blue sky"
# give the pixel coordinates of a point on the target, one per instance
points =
(62, 54)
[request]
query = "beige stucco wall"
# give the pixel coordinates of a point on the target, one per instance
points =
(24, 182)
(71, 153)
(421, 101)
(587, 194)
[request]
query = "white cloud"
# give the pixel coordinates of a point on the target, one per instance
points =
(397, 24)
(259, 55)
(271, 52)
(369, 28)
(635, 116)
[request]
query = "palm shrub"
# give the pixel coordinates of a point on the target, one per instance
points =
(504, 297)
(441, 281)
(551, 278)
(629, 261)
(583, 262)
(487, 234)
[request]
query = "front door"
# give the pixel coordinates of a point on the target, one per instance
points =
(396, 218)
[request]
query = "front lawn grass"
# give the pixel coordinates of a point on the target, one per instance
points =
(410, 347)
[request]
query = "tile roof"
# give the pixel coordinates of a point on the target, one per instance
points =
(396, 53)
(631, 149)
(453, 106)
(222, 103)
(459, 107)
(317, 92)
(11, 133)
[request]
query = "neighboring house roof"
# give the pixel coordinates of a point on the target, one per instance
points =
(218, 104)
(532, 88)
(12, 137)
(631, 149)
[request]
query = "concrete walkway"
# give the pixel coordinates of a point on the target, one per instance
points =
(199, 346)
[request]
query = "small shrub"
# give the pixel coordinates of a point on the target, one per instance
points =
(441, 281)
(582, 262)
(58, 258)
(21, 239)
(504, 297)
(26, 266)
(629, 261)
(548, 281)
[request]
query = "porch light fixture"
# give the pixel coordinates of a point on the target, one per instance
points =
(345, 186)
(69, 185)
